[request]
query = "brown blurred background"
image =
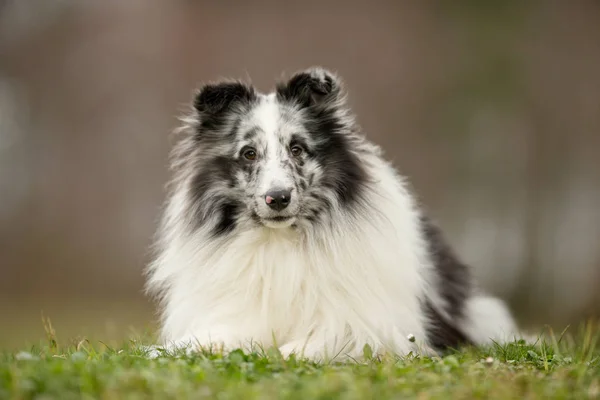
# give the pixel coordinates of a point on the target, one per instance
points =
(491, 110)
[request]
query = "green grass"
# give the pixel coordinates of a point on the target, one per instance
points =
(564, 366)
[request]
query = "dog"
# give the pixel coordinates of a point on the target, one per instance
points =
(284, 226)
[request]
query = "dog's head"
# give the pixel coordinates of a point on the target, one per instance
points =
(275, 160)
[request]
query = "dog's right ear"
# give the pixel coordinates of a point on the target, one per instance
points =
(215, 98)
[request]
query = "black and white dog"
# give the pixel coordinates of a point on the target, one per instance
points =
(284, 226)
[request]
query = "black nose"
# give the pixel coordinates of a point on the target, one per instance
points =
(278, 199)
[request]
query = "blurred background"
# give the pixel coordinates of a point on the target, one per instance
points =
(492, 109)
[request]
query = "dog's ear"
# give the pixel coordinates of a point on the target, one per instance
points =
(215, 98)
(313, 87)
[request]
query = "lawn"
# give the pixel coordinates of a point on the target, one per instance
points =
(565, 365)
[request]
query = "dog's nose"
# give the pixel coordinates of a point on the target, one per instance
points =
(278, 199)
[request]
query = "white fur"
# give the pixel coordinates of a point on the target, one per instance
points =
(267, 118)
(488, 319)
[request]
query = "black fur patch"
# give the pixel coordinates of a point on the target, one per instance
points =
(343, 170)
(217, 170)
(227, 218)
(454, 286)
(441, 334)
(306, 90)
(454, 276)
(214, 170)
(214, 101)
(216, 98)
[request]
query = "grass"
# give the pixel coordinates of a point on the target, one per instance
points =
(565, 366)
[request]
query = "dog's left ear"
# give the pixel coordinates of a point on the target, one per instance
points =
(313, 87)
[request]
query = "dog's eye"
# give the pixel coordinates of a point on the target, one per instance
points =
(296, 150)
(250, 154)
